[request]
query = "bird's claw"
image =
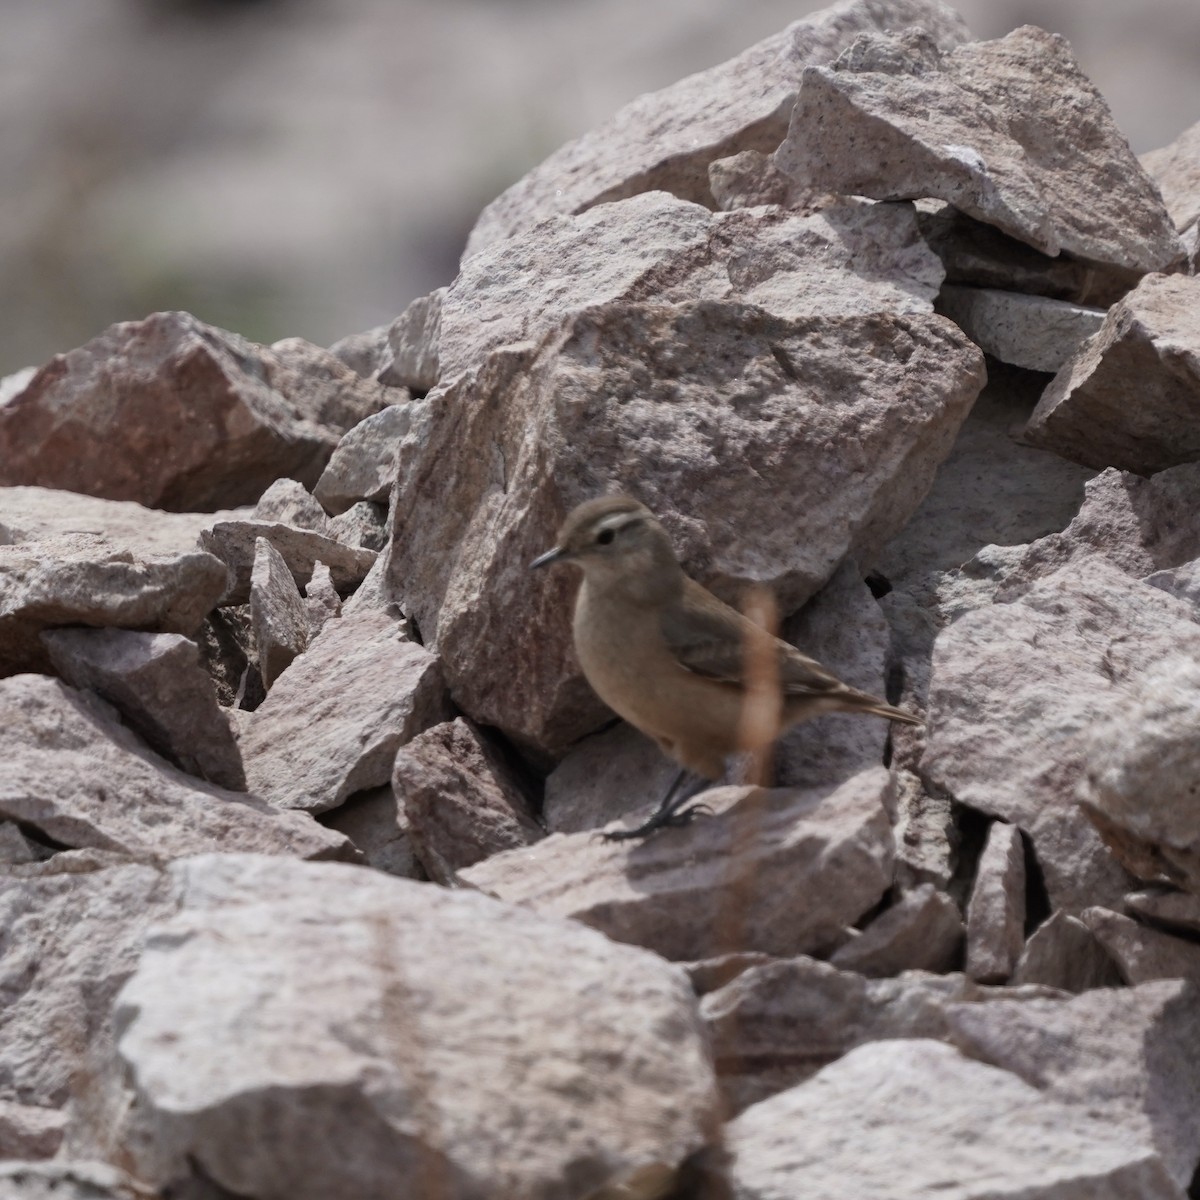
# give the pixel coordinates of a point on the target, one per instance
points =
(663, 820)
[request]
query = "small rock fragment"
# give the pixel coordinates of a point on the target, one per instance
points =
(29, 1131)
(362, 525)
(1176, 911)
(1141, 953)
(1063, 953)
(277, 613)
(922, 931)
(375, 821)
(996, 912)
(410, 358)
(363, 466)
(287, 502)
(321, 600)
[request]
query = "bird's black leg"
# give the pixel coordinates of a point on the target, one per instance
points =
(670, 810)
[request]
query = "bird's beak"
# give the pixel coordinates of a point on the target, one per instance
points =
(557, 554)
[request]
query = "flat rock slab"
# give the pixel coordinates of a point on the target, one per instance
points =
(922, 931)
(448, 1039)
(848, 258)
(910, 1119)
(30, 1131)
(79, 777)
(1176, 911)
(460, 800)
(1149, 345)
(156, 682)
(334, 720)
(1035, 332)
(780, 871)
(665, 141)
(1016, 688)
(1129, 1057)
(1143, 774)
(71, 941)
(741, 410)
(1009, 131)
(778, 1023)
(289, 502)
(234, 542)
(177, 414)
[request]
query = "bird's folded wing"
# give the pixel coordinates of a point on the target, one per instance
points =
(708, 638)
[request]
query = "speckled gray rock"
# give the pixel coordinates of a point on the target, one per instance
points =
(1035, 332)
(1009, 131)
(1143, 770)
(156, 682)
(364, 525)
(665, 140)
(375, 821)
(445, 1049)
(364, 463)
(180, 415)
(781, 871)
(996, 912)
(410, 358)
(1015, 691)
(277, 612)
(910, 1119)
(1176, 170)
(321, 600)
(1149, 343)
(1127, 1058)
(334, 720)
(68, 758)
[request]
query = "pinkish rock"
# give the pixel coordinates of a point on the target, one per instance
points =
(1177, 912)
(461, 805)
(410, 357)
(1149, 344)
(1143, 954)
(665, 141)
(287, 502)
(156, 682)
(176, 414)
(781, 871)
(1176, 171)
(1009, 131)
(364, 464)
(733, 476)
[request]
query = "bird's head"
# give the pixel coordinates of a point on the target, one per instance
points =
(617, 542)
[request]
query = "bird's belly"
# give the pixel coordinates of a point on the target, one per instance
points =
(694, 719)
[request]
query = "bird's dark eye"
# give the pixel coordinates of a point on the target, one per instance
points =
(605, 536)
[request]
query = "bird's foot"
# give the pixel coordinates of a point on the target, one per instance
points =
(667, 819)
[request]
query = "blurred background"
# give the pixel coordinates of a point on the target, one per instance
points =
(308, 167)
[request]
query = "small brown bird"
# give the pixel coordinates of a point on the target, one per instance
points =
(669, 657)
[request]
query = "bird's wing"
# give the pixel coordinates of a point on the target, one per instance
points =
(708, 638)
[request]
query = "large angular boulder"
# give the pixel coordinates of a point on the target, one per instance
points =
(1010, 132)
(666, 140)
(448, 1045)
(736, 427)
(176, 414)
(1015, 691)
(1148, 348)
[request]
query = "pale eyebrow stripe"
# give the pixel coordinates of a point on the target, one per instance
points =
(619, 521)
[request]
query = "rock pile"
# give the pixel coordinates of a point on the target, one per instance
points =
(301, 890)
